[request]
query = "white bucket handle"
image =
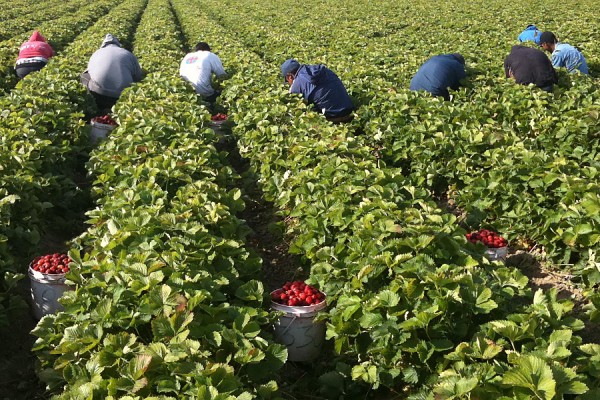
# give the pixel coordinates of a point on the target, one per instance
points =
(290, 324)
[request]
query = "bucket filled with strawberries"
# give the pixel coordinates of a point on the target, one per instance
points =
(47, 277)
(297, 329)
(220, 124)
(101, 127)
(496, 245)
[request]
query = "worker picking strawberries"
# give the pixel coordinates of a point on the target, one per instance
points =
(33, 55)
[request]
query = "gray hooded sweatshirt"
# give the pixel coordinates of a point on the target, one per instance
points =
(112, 68)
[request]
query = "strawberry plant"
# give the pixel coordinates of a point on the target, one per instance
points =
(50, 12)
(60, 33)
(42, 134)
(167, 303)
(187, 318)
(345, 206)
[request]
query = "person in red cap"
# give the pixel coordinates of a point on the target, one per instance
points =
(33, 55)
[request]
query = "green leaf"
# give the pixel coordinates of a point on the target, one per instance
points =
(112, 227)
(250, 291)
(371, 320)
(533, 374)
(388, 298)
(483, 302)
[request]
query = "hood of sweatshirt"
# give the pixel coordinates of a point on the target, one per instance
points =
(316, 73)
(37, 37)
(110, 39)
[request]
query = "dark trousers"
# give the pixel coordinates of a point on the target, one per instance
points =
(213, 97)
(344, 116)
(103, 102)
(23, 70)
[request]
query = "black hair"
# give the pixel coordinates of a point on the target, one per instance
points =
(548, 37)
(202, 46)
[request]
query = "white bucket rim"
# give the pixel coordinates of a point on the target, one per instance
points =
(219, 123)
(496, 253)
(497, 249)
(99, 125)
(46, 278)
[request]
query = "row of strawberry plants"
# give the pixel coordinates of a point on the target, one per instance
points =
(11, 28)
(408, 288)
(502, 139)
(166, 302)
(59, 33)
(42, 131)
(545, 193)
(21, 8)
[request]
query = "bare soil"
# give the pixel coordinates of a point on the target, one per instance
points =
(268, 236)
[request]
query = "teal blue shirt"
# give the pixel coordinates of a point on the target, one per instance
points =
(567, 56)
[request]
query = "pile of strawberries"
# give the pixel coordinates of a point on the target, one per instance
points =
(297, 293)
(51, 264)
(219, 117)
(488, 238)
(105, 119)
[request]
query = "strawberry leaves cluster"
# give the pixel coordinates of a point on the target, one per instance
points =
(51, 264)
(297, 293)
(488, 238)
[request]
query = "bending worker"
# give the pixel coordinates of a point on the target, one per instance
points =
(530, 34)
(197, 68)
(439, 73)
(110, 70)
(320, 87)
(33, 55)
(563, 55)
(528, 65)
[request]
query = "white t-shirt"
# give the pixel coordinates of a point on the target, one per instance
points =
(197, 69)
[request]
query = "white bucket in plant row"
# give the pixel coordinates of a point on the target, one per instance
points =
(100, 131)
(46, 289)
(298, 331)
(498, 253)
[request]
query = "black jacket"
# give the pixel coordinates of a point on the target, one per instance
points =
(530, 65)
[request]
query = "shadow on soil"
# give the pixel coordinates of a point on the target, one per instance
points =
(267, 237)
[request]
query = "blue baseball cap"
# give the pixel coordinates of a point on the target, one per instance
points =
(289, 66)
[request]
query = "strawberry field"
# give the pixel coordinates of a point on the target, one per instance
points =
(171, 273)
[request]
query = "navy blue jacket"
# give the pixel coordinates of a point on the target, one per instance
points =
(530, 65)
(321, 87)
(438, 74)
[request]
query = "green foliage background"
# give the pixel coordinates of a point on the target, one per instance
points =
(167, 303)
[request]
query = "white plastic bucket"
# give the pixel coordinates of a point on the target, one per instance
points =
(298, 331)
(498, 253)
(46, 289)
(100, 131)
(220, 127)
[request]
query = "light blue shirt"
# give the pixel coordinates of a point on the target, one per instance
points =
(567, 56)
(531, 33)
